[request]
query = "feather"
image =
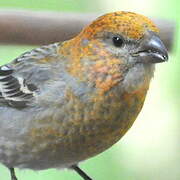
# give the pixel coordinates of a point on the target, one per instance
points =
(13, 90)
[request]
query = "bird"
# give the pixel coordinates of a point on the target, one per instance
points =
(66, 102)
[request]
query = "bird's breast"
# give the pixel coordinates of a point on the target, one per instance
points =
(84, 124)
(80, 130)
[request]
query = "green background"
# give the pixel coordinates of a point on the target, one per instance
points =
(151, 149)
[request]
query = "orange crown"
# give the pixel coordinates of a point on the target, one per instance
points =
(128, 24)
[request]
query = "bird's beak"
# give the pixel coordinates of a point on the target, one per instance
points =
(151, 49)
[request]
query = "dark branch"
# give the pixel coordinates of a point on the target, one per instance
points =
(36, 28)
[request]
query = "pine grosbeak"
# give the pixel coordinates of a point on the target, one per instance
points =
(66, 102)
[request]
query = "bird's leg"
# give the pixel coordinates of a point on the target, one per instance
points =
(81, 172)
(13, 176)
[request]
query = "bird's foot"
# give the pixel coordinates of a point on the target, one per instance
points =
(81, 172)
(13, 175)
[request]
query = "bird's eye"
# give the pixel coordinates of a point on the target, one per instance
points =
(118, 41)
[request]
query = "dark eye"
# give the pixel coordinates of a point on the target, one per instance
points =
(117, 41)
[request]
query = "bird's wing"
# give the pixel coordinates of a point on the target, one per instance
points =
(21, 79)
(13, 90)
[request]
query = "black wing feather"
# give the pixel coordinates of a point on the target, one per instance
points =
(14, 91)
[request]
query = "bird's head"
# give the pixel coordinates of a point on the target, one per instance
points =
(113, 44)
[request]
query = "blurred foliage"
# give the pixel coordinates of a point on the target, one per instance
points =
(54, 5)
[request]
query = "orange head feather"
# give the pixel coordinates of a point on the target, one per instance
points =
(129, 24)
(106, 70)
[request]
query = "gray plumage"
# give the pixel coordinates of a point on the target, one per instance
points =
(66, 102)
